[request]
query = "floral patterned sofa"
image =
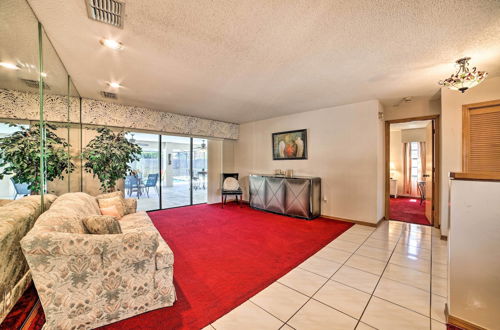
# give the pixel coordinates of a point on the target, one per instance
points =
(84, 280)
(16, 219)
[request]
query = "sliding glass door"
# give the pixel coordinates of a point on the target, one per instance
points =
(176, 171)
(172, 171)
(200, 170)
(144, 181)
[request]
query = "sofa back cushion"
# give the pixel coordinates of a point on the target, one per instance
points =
(67, 212)
(16, 219)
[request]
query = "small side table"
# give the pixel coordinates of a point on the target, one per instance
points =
(393, 188)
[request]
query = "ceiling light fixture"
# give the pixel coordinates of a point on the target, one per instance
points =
(112, 44)
(10, 66)
(114, 85)
(464, 78)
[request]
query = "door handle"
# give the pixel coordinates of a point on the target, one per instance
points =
(426, 175)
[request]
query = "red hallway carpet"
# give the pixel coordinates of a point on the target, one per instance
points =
(222, 258)
(408, 210)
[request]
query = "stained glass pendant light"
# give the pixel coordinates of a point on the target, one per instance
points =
(464, 78)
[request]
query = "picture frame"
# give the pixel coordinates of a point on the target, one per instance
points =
(289, 145)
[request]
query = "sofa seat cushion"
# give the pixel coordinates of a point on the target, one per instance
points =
(164, 256)
(135, 221)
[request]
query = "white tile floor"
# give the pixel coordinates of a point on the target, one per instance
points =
(391, 277)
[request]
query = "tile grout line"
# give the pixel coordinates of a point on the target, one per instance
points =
(285, 323)
(376, 285)
(329, 278)
(309, 297)
(430, 286)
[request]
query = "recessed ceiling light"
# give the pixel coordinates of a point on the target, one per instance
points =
(114, 85)
(112, 44)
(10, 66)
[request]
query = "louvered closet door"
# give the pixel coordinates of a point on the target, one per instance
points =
(482, 138)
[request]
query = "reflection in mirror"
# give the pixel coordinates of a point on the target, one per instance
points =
(19, 76)
(61, 108)
(9, 189)
(18, 48)
(26, 56)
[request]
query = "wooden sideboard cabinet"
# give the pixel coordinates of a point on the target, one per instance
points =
(296, 196)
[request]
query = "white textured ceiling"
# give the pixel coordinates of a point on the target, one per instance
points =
(243, 60)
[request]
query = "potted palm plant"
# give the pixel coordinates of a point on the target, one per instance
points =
(108, 157)
(20, 156)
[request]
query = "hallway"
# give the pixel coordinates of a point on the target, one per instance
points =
(408, 210)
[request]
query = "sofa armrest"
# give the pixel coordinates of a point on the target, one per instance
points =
(129, 245)
(130, 205)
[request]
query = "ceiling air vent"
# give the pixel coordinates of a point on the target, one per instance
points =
(109, 95)
(34, 83)
(106, 11)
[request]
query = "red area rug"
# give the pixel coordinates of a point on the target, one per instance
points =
(408, 210)
(223, 257)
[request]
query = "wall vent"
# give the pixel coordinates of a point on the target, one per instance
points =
(406, 99)
(106, 11)
(34, 83)
(109, 95)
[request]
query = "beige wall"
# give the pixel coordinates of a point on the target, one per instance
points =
(413, 135)
(415, 108)
(228, 156)
(380, 140)
(215, 164)
(345, 149)
(396, 159)
(451, 137)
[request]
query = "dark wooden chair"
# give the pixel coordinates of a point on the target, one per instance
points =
(230, 192)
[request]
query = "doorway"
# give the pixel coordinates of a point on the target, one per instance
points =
(411, 170)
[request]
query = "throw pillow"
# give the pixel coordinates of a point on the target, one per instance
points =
(102, 224)
(118, 202)
(111, 211)
(231, 184)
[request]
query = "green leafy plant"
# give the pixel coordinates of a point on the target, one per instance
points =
(20, 156)
(108, 156)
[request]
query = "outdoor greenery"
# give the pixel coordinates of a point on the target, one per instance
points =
(20, 156)
(108, 156)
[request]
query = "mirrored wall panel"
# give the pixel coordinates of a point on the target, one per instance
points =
(42, 138)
